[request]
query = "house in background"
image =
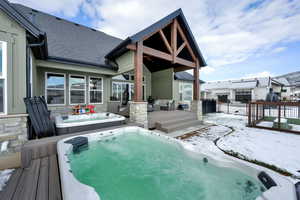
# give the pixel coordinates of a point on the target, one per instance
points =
(242, 90)
(72, 64)
(291, 83)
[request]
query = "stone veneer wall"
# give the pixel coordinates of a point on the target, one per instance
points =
(138, 113)
(13, 129)
(196, 106)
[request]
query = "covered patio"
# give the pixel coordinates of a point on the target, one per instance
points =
(167, 44)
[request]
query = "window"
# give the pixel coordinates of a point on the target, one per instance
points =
(55, 88)
(223, 98)
(77, 86)
(185, 91)
(3, 67)
(243, 96)
(95, 90)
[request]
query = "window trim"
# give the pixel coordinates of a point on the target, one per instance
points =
(73, 104)
(65, 86)
(181, 90)
(101, 90)
(4, 76)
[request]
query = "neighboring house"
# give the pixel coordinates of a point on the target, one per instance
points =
(72, 64)
(291, 83)
(243, 90)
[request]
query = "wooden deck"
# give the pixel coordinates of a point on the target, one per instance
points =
(38, 177)
(38, 181)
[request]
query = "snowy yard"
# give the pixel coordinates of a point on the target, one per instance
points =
(271, 147)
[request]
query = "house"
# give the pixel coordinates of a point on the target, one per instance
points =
(291, 83)
(242, 90)
(72, 64)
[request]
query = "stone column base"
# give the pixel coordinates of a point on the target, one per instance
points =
(138, 113)
(196, 106)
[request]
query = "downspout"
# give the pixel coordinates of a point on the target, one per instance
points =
(28, 74)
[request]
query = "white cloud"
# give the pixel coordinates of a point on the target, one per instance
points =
(227, 31)
(279, 49)
(259, 74)
(207, 70)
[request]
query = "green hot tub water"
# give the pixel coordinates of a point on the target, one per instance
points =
(147, 167)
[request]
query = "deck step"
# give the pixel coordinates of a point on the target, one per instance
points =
(175, 120)
(179, 126)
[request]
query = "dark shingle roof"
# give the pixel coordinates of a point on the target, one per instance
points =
(178, 14)
(185, 76)
(71, 42)
(13, 13)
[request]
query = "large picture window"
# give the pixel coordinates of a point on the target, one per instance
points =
(185, 91)
(95, 90)
(77, 85)
(55, 88)
(243, 96)
(3, 67)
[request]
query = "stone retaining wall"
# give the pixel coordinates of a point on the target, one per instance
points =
(13, 133)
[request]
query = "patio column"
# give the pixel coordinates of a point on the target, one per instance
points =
(196, 103)
(138, 108)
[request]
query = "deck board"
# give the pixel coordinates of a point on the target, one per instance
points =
(43, 181)
(54, 182)
(10, 188)
(28, 182)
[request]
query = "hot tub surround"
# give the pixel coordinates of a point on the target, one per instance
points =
(77, 123)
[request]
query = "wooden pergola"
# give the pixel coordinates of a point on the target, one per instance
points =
(166, 47)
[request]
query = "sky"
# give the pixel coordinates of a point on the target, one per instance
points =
(238, 39)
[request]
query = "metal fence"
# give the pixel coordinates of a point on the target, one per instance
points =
(232, 107)
(282, 116)
(209, 106)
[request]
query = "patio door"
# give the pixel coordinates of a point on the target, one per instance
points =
(124, 92)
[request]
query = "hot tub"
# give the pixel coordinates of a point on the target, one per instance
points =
(137, 164)
(77, 123)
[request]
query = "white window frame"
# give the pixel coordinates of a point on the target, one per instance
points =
(4, 76)
(181, 90)
(97, 90)
(72, 104)
(65, 82)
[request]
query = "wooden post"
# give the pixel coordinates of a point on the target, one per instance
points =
(174, 40)
(249, 115)
(279, 116)
(138, 72)
(196, 81)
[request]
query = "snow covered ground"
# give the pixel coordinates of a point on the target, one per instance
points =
(4, 177)
(272, 147)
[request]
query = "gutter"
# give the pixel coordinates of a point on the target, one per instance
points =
(28, 74)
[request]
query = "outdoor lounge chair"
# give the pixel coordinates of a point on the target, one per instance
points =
(39, 121)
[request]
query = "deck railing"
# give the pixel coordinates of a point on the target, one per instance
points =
(281, 116)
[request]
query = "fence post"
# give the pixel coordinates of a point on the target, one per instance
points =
(249, 114)
(256, 112)
(279, 116)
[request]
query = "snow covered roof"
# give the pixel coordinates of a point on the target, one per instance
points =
(237, 84)
(292, 78)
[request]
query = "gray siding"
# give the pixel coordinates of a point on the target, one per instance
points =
(162, 84)
(15, 36)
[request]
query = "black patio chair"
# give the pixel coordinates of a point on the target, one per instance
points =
(39, 118)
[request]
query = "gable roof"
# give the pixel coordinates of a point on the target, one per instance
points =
(185, 76)
(293, 78)
(70, 42)
(13, 13)
(178, 14)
